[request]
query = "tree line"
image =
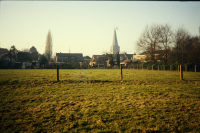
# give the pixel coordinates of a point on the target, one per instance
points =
(163, 43)
(24, 55)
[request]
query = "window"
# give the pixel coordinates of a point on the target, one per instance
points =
(121, 58)
(72, 57)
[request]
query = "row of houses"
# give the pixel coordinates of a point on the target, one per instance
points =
(23, 59)
(104, 59)
(31, 58)
(96, 60)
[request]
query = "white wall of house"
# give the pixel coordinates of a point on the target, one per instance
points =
(139, 57)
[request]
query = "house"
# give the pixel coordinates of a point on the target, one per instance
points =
(145, 56)
(4, 58)
(104, 59)
(86, 60)
(33, 49)
(140, 57)
(4, 54)
(3, 51)
(67, 58)
(34, 54)
(99, 60)
(25, 59)
(124, 56)
(127, 62)
(108, 62)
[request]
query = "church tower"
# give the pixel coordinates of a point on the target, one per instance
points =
(115, 47)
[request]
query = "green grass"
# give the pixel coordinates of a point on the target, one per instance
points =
(97, 101)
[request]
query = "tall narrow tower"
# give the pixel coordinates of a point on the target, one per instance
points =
(115, 47)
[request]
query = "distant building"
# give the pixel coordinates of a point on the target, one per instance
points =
(86, 60)
(3, 51)
(34, 54)
(67, 58)
(4, 54)
(100, 60)
(24, 57)
(145, 56)
(97, 60)
(142, 56)
(127, 62)
(4, 58)
(115, 47)
(33, 49)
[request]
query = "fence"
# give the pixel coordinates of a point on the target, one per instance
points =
(191, 68)
(180, 68)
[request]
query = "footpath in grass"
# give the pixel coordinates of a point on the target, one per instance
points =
(97, 101)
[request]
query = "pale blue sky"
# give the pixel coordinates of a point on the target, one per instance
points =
(87, 27)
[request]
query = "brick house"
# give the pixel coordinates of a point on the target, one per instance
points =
(67, 58)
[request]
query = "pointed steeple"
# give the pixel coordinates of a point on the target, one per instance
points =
(115, 43)
(115, 47)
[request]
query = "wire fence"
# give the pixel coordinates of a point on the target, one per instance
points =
(189, 68)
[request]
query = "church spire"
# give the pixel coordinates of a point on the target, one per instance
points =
(115, 47)
(115, 42)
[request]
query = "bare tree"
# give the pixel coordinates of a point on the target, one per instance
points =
(181, 38)
(149, 40)
(105, 52)
(166, 40)
(193, 51)
(49, 46)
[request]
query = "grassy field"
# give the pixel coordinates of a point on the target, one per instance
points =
(96, 100)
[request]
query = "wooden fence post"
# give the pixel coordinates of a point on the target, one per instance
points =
(152, 67)
(164, 67)
(195, 68)
(57, 72)
(181, 72)
(158, 67)
(186, 68)
(121, 72)
(170, 67)
(178, 67)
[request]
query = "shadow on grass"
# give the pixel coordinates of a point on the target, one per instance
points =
(35, 83)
